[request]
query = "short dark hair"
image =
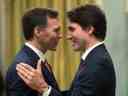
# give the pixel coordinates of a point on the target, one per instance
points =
(90, 15)
(36, 17)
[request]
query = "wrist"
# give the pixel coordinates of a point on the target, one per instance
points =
(47, 92)
(43, 89)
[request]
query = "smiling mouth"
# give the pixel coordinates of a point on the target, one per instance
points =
(74, 44)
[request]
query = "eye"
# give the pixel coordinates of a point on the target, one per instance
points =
(70, 28)
(57, 29)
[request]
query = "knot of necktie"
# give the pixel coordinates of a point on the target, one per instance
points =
(45, 64)
(82, 64)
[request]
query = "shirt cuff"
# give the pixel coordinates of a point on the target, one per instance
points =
(47, 93)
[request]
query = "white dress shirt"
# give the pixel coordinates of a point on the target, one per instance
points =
(37, 51)
(87, 51)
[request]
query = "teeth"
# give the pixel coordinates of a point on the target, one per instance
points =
(74, 44)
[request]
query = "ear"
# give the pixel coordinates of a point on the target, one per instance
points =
(90, 29)
(36, 31)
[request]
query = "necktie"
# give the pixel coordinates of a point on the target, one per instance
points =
(48, 75)
(46, 65)
(81, 64)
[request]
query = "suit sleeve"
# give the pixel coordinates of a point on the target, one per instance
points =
(15, 86)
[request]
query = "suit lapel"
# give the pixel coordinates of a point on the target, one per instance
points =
(81, 67)
(32, 55)
(49, 76)
(86, 62)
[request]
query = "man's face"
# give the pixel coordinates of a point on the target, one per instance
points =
(77, 36)
(51, 35)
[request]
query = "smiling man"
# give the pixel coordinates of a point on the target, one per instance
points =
(87, 31)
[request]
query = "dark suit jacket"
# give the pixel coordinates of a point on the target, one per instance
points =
(14, 85)
(95, 76)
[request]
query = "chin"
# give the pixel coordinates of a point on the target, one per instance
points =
(76, 49)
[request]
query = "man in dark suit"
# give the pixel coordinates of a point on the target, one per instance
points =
(41, 31)
(87, 31)
(95, 75)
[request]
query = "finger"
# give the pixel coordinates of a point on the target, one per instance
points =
(23, 71)
(30, 68)
(26, 80)
(21, 68)
(39, 66)
(25, 75)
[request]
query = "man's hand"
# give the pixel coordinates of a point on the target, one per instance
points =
(32, 77)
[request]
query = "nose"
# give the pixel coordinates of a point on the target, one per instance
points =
(69, 37)
(59, 36)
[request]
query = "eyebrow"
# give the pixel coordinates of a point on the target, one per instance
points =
(71, 28)
(57, 29)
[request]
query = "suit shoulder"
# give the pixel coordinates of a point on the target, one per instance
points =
(20, 57)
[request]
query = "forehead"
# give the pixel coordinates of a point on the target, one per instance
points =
(72, 24)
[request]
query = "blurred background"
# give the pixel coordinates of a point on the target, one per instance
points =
(64, 61)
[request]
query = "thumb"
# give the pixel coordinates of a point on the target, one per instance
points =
(39, 65)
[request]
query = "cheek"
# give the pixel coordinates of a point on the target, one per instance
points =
(82, 42)
(44, 36)
(48, 37)
(79, 39)
(77, 36)
(82, 36)
(51, 38)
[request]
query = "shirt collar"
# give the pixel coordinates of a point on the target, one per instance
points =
(85, 54)
(37, 51)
